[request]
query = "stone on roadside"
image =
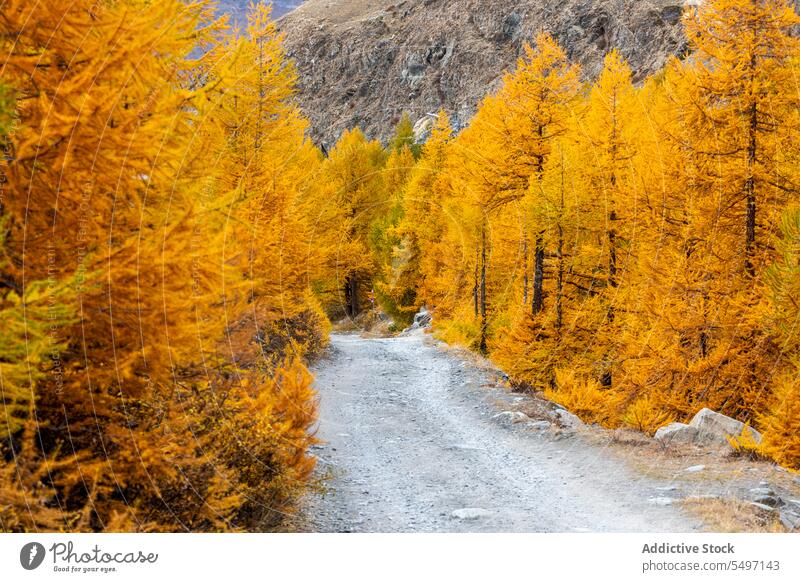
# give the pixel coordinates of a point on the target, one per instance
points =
(770, 500)
(713, 428)
(790, 520)
(469, 513)
(762, 491)
(567, 419)
(423, 318)
(762, 507)
(509, 418)
(676, 433)
(539, 425)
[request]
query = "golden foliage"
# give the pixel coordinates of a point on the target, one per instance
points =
(645, 414)
(630, 250)
(781, 423)
(152, 271)
(585, 397)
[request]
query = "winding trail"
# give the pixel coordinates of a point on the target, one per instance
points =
(410, 438)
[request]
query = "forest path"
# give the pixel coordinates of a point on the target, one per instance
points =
(409, 439)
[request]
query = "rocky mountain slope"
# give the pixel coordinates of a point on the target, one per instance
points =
(364, 62)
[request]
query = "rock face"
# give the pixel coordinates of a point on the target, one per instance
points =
(364, 62)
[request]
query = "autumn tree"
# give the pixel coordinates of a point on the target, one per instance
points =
(610, 150)
(724, 124)
(425, 219)
(348, 195)
(505, 151)
(116, 256)
(781, 417)
(395, 279)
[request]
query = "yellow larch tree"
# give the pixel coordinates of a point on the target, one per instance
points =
(114, 221)
(347, 194)
(425, 220)
(780, 419)
(502, 157)
(725, 124)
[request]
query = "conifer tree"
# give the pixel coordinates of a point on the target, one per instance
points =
(120, 267)
(349, 195)
(425, 220)
(780, 420)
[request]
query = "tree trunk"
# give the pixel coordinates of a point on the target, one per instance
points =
(525, 270)
(560, 279)
(612, 269)
(750, 191)
(538, 275)
(483, 347)
(612, 250)
(351, 295)
(476, 284)
(537, 305)
(560, 257)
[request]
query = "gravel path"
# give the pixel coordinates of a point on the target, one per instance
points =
(410, 445)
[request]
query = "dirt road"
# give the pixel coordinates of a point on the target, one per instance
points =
(412, 445)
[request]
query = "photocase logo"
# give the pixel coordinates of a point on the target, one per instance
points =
(31, 555)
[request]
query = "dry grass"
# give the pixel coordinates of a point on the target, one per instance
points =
(733, 516)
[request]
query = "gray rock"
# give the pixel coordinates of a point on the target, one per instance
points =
(790, 520)
(661, 500)
(672, 14)
(762, 491)
(695, 469)
(470, 513)
(423, 127)
(539, 425)
(762, 507)
(567, 419)
(714, 428)
(676, 433)
(423, 318)
(510, 417)
(770, 500)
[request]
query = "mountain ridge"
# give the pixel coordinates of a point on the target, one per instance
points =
(364, 62)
